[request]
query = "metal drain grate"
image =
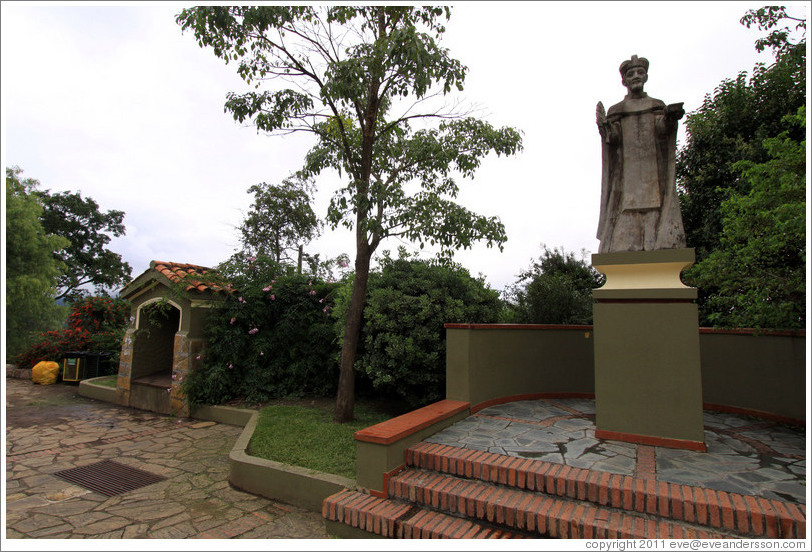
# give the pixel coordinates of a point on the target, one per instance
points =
(109, 478)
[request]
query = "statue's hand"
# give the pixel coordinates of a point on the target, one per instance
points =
(674, 111)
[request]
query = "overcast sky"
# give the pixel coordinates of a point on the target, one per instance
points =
(115, 102)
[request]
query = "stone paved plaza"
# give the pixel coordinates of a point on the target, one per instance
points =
(52, 428)
(745, 455)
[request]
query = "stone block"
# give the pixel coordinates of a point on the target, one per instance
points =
(13, 371)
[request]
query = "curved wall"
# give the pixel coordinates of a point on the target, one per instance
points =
(742, 371)
(759, 373)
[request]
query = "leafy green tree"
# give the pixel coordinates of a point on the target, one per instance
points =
(759, 268)
(86, 261)
(280, 220)
(771, 18)
(556, 289)
(732, 124)
(359, 77)
(403, 342)
(32, 270)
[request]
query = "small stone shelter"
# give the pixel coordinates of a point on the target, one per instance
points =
(165, 339)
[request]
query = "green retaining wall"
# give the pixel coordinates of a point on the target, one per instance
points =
(91, 390)
(228, 415)
(741, 370)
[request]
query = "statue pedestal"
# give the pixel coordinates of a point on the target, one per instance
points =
(648, 381)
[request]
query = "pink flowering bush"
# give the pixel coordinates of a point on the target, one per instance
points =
(272, 338)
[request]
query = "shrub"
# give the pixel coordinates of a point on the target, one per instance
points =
(278, 334)
(52, 346)
(556, 289)
(271, 338)
(402, 348)
(95, 324)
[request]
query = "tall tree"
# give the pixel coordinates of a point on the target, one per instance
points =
(780, 24)
(31, 268)
(758, 271)
(86, 260)
(280, 220)
(732, 124)
(360, 78)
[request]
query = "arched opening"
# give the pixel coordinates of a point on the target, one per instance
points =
(154, 343)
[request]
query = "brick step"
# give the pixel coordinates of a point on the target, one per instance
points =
(400, 520)
(535, 513)
(745, 515)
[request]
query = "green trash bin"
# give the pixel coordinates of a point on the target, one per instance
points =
(79, 365)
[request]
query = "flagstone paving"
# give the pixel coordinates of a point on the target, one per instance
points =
(52, 428)
(745, 455)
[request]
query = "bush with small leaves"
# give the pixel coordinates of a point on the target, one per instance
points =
(403, 334)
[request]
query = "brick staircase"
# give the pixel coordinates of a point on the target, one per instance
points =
(452, 492)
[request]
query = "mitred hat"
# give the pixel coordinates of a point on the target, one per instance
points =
(634, 62)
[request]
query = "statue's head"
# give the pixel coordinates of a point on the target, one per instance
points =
(634, 73)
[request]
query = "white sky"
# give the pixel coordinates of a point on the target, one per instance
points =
(115, 102)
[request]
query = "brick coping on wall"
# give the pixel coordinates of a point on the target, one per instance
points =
(589, 327)
(395, 429)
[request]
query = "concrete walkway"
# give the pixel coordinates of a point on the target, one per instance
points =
(52, 428)
(745, 455)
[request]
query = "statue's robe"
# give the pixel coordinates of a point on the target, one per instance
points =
(639, 204)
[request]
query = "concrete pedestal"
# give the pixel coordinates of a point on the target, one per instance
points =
(648, 381)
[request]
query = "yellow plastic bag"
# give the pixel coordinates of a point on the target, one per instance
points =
(45, 372)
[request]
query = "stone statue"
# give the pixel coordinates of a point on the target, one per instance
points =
(639, 205)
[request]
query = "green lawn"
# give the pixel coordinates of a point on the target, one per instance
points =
(309, 438)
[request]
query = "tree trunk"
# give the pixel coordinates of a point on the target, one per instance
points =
(345, 398)
(299, 263)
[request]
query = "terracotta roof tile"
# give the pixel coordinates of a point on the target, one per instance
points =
(198, 278)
